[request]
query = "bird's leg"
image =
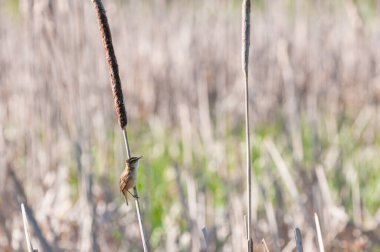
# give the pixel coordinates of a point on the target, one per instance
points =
(134, 196)
(126, 200)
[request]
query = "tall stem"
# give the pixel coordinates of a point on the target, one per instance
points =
(135, 193)
(126, 142)
(117, 93)
(246, 11)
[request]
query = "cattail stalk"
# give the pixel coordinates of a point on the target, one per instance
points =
(137, 202)
(246, 12)
(117, 93)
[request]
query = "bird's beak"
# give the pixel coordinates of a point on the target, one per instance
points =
(139, 157)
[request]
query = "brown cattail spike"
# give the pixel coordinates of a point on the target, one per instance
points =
(246, 30)
(112, 62)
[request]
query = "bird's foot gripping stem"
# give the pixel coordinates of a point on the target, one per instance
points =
(134, 196)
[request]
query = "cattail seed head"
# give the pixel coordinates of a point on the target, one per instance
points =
(113, 68)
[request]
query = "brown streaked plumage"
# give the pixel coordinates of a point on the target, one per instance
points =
(129, 176)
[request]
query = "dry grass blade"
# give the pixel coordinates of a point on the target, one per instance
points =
(26, 229)
(246, 12)
(117, 94)
(282, 168)
(319, 233)
(265, 247)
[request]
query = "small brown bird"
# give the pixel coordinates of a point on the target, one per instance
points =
(129, 177)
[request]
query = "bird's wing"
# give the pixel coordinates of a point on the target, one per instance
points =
(126, 181)
(123, 183)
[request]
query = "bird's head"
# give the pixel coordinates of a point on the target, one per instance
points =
(134, 161)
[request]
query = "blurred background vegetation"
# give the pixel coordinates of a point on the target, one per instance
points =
(315, 93)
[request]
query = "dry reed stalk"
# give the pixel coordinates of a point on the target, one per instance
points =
(291, 110)
(265, 246)
(26, 229)
(246, 26)
(319, 233)
(282, 168)
(298, 238)
(117, 93)
(29, 212)
(88, 228)
(324, 187)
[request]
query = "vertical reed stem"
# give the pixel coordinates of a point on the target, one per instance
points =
(265, 246)
(319, 233)
(126, 142)
(26, 229)
(246, 12)
(117, 93)
(135, 193)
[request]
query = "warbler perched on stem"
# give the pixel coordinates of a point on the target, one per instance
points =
(129, 177)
